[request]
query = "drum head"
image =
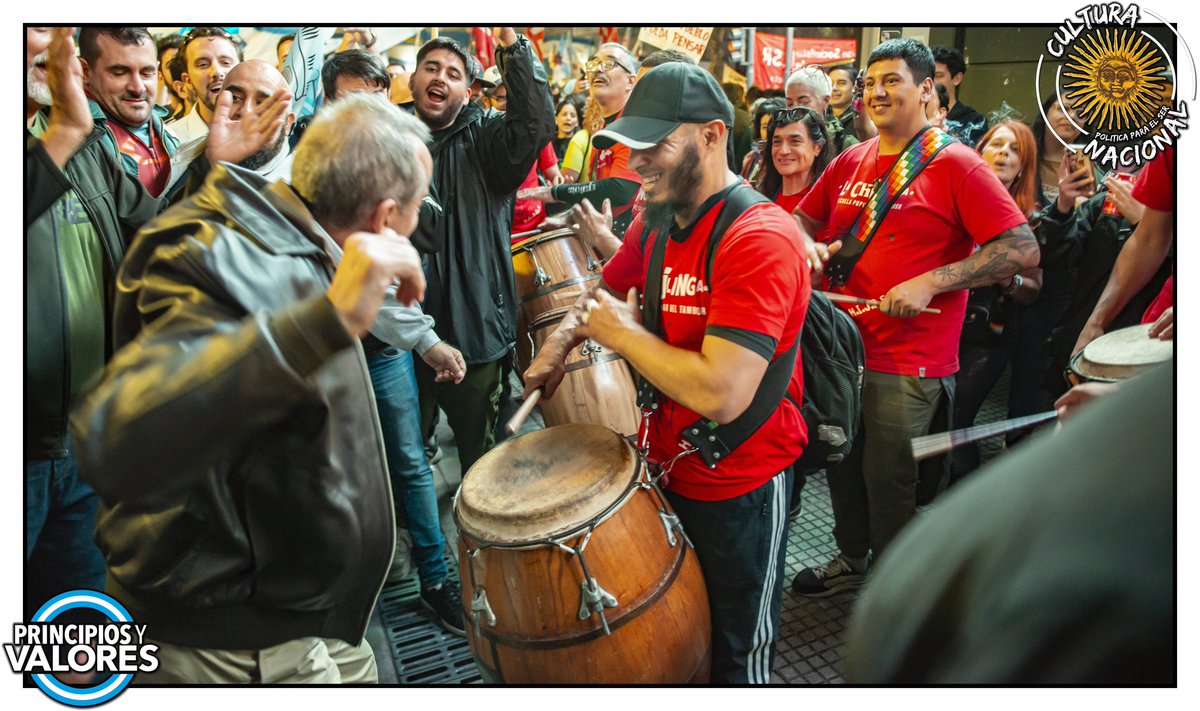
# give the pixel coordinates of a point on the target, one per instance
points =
(537, 239)
(545, 483)
(1123, 353)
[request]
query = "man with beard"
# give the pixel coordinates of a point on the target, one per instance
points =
(251, 83)
(479, 160)
(82, 206)
(722, 352)
(612, 74)
(208, 53)
(120, 73)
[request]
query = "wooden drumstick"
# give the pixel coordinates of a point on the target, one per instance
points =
(514, 423)
(523, 235)
(867, 302)
(929, 445)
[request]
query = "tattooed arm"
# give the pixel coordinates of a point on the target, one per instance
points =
(1001, 257)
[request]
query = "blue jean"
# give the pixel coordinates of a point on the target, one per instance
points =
(412, 477)
(60, 519)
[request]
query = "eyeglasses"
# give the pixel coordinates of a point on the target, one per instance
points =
(782, 117)
(603, 65)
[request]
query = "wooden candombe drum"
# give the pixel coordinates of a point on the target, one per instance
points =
(551, 270)
(1120, 355)
(574, 568)
(597, 387)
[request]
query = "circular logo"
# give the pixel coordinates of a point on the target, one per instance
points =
(1113, 78)
(109, 688)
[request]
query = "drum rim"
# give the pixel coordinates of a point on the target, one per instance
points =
(636, 479)
(1073, 366)
(535, 240)
(555, 538)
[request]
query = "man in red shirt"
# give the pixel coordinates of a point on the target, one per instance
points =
(923, 254)
(1142, 255)
(709, 357)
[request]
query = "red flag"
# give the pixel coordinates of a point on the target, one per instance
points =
(536, 36)
(485, 46)
(609, 34)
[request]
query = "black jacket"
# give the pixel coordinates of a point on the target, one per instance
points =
(1085, 244)
(117, 206)
(478, 164)
(234, 440)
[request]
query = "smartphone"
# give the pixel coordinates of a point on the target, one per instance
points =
(1080, 159)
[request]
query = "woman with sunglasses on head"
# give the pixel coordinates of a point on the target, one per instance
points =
(796, 151)
(753, 162)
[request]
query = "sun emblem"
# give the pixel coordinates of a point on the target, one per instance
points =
(1112, 79)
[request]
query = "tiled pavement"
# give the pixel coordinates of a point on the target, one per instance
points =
(810, 649)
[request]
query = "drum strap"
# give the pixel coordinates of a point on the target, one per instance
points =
(712, 441)
(919, 153)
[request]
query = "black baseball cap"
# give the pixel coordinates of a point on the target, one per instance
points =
(663, 98)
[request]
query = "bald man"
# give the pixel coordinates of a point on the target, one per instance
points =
(251, 83)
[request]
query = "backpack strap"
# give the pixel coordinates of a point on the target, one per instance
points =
(714, 442)
(918, 154)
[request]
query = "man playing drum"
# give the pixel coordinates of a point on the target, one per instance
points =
(713, 328)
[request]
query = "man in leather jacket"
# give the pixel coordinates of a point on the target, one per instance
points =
(246, 515)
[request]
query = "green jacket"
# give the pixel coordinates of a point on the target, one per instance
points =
(117, 206)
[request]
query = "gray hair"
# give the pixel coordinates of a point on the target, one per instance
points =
(356, 153)
(626, 56)
(812, 77)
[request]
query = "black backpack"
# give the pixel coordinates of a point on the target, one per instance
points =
(833, 359)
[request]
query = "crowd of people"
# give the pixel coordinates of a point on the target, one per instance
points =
(243, 321)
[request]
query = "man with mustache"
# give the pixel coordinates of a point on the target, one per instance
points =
(479, 160)
(209, 53)
(120, 72)
(612, 74)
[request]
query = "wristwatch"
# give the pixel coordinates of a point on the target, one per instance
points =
(1015, 286)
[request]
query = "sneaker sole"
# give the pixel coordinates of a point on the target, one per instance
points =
(445, 625)
(827, 592)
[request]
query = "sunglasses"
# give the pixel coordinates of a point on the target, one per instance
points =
(602, 65)
(200, 32)
(782, 117)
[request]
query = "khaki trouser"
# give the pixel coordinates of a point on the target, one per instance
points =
(308, 660)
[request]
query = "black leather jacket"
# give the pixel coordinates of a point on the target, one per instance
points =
(234, 440)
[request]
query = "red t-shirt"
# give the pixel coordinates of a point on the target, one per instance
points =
(760, 288)
(528, 214)
(789, 202)
(1156, 190)
(955, 204)
(1156, 187)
